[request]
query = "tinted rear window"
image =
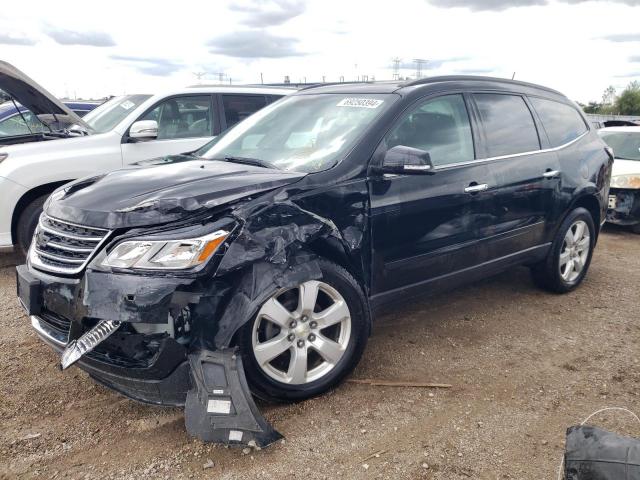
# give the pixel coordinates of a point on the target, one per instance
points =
(508, 124)
(562, 122)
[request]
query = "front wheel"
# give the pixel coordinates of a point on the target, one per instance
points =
(568, 261)
(27, 223)
(304, 340)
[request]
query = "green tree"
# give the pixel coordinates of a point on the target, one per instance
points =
(628, 103)
(593, 107)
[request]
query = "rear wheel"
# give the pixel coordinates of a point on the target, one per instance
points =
(568, 261)
(636, 228)
(304, 340)
(27, 223)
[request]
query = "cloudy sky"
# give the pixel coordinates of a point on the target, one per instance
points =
(579, 47)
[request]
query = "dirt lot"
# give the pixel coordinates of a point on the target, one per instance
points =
(524, 366)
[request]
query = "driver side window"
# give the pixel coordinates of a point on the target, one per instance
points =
(439, 126)
(183, 117)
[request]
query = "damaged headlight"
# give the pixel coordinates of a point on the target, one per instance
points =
(165, 254)
(625, 181)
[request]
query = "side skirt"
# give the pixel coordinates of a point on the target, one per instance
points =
(454, 279)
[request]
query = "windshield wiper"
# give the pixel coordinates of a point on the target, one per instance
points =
(250, 161)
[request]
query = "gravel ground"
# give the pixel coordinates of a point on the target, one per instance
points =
(524, 365)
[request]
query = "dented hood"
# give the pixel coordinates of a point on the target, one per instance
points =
(161, 193)
(31, 95)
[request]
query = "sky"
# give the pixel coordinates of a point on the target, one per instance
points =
(94, 49)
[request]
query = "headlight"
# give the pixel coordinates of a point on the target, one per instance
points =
(165, 254)
(625, 181)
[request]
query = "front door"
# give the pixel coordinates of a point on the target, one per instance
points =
(426, 227)
(185, 123)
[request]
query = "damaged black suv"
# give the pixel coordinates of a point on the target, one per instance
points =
(267, 252)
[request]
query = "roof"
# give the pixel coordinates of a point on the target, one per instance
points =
(621, 129)
(399, 86)
(258, 89)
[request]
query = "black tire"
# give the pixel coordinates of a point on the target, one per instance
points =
(636, 228)
(27, 223)
(271, 390)
(546, 274)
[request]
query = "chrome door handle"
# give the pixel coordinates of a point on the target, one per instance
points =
(476, 188)
(551, 174)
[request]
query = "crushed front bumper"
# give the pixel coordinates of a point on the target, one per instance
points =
(152, 368)
(624, 206)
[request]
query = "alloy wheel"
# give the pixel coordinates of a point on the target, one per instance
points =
(301, 333)
(575, 251)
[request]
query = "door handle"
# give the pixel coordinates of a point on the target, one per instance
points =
(551, 174)
(476, 188)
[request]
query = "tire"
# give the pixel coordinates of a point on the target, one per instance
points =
(27, 223)
(268, 378)
(636, 228)
(553, 276)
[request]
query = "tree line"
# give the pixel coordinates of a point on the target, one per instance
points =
(627, 103)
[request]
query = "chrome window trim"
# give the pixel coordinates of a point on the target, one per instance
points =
(513, 155)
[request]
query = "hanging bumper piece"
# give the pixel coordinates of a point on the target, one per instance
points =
(219, 407)
(87, 342)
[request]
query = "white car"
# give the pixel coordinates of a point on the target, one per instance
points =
(624, 195)
(122, 131)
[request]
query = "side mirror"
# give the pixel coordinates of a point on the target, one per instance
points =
(144, 130)
(407, 161)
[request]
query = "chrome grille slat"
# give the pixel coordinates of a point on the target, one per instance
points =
(64, 234)
(70, 249)
(57, 258)
(64, 247)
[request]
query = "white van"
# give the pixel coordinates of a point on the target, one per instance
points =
(123, 130)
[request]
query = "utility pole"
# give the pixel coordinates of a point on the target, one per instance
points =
(396, 68)
(419, 63)
(199, 76)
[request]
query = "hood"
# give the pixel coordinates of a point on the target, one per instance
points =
(625, 167)
(45, 106)
(161, 193)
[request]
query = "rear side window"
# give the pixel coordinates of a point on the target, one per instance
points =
(508, 124)
(239, 107)
(562, 122)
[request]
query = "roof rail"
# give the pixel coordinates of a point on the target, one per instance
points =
(450, 78)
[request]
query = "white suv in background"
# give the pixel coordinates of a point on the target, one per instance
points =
(122, 131)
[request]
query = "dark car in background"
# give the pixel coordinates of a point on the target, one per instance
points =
(268, 252)
(16, 120)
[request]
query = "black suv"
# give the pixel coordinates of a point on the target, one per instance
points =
(268, 252)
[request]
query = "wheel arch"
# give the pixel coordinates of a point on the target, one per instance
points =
(590, 202)
(28, 197)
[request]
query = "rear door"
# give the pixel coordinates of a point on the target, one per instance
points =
(426, 227)
(527, 173)
(185, 123)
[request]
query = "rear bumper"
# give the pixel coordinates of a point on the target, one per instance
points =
(170, 390)
(627, 207)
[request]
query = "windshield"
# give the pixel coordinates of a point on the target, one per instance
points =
(626, 145)
(304, 133)
(109, 114)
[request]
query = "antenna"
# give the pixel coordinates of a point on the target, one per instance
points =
(396, 68)
(419, 63)
(513, 76)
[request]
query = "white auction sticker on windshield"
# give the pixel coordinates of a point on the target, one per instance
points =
(127, 104)
(360, 102)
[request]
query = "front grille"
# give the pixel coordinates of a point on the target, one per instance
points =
(64, 247)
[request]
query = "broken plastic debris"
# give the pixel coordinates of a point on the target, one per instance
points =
(87, 342)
